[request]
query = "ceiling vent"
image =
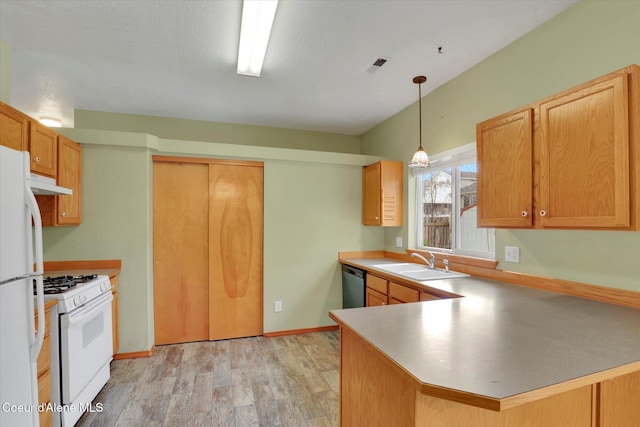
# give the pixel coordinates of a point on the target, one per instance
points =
(377, 64)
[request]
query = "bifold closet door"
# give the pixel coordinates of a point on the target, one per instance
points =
(235, 250)
(181, 252)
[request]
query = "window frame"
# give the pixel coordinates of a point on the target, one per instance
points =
(453, 158)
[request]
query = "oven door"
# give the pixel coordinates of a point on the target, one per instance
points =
(86, 345)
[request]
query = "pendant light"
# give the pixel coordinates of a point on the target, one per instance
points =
(420, 159)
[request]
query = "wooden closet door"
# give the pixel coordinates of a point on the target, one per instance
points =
(235, 255)
(181, 252)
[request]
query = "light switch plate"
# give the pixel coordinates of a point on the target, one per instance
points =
(278, 306)
(398, 242)
(512, 253)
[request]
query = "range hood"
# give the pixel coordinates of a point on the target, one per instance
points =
(42, 185)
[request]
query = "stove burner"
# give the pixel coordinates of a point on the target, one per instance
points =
(60, 284)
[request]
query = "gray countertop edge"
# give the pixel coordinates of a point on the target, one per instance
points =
(497, 342)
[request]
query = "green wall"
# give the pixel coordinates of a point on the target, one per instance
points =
(589, 39)
(312, 210)
(5, 72)
(117, 224)
(227, 133)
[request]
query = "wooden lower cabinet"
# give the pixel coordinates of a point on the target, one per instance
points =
(207, 245)
(44, 367)
(620, 401)
(376, 392)
(572, 408)
(376, 291)
(375, 298)
(399, 294)
(380, 291)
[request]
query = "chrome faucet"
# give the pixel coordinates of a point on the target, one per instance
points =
(432, 259)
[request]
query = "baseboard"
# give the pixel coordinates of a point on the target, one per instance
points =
(300, 331)
(134, 355)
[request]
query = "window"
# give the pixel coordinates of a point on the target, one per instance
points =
(447, 205)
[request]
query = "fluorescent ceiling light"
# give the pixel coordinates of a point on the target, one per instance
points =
(257, 19)
(50, 122)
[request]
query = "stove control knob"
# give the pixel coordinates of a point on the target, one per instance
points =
(76, 301)
(105, 286)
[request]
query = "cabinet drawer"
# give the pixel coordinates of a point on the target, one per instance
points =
(375, 298)
(377, 283)
(403, 293)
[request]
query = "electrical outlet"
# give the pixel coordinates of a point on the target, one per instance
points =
(398, 242)
(512, 254)
(278, 306)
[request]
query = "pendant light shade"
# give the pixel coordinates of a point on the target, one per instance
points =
(420, 158)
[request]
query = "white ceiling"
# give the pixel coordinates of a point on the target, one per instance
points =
(174, 58)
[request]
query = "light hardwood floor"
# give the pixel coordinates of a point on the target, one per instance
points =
(284, 381)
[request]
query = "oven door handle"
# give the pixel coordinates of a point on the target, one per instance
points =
(73, 319)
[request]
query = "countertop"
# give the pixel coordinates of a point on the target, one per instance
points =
(111, 272)
(497, 340)
(109, 268)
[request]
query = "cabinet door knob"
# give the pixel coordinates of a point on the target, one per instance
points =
(37, 159)
(63, 214)
(524, 214)
(543, 212)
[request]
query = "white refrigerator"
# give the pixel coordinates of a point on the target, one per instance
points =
(20, 267)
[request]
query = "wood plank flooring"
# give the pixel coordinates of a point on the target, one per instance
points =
(283, 381)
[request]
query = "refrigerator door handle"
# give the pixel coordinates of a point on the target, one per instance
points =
(36, 346)
(32, 205)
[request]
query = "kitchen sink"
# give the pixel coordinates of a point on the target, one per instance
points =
(399, 267)
(418, 271)
(427, 274)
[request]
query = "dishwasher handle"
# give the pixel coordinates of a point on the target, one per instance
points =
(353, 271)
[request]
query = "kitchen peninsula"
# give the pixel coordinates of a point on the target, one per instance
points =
(497, 355)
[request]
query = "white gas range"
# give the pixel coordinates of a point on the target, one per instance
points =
(81, 343)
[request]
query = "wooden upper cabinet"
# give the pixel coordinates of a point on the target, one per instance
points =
(505, 172)
(571, 160)
(382, 194)
(14, 128)
(43, 148)
(69, 207)
(52, 155)
(65, 209)
(584, 156)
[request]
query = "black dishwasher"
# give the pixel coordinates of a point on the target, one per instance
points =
(353, 292)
